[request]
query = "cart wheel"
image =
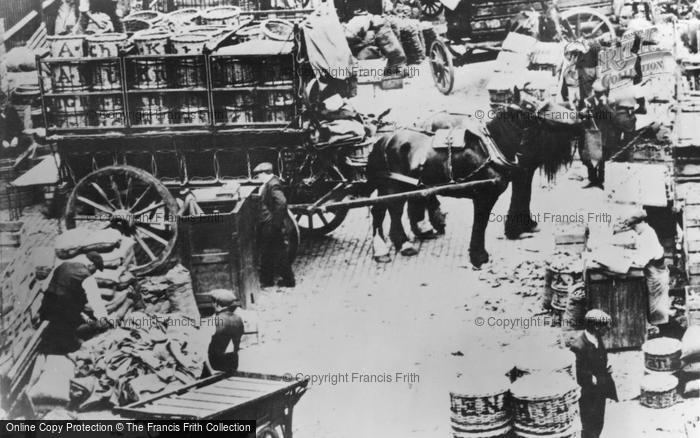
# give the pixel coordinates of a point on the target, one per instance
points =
(319, 223)
(267, 432)
(431, 8)
(442, 67)
(134, 202)
(587, 23)
(293, 236)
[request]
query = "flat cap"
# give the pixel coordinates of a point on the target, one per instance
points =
(263, 167)
(224, 297)
(598, 316)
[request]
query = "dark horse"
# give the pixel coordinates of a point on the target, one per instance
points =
(535, 136)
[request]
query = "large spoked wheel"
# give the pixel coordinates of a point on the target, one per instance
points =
(132, 201)
(431, 8)
(442, 67)
(319, 223)
(293, 236)
(587, 23)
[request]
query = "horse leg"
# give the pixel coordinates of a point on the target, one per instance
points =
(379, 247)
(519, 219)
(435, 214)
(396, 233)
(416, 215)
(483, 204)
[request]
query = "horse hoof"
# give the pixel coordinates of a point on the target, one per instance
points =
(440, 231)
(408, 249)
(382, 259)
(478, 260)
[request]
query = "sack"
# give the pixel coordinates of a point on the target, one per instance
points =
(592, 148)
(691, 344)
(692, 389)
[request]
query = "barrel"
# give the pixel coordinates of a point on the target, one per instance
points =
(228, 16)
(190, 72)
(151, 73)
(109, 111)
(545, 404)
(66, 46)
(277, 70)
(106, 74)
(152, 111)
(67, 76)
(236, 72)
(181, 19)
(70, 112)
(193, 115)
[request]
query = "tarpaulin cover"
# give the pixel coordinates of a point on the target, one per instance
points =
(327, 47)
(44, 173)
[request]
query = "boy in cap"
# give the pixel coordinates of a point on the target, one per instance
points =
(71, 288)
(593, 372)
(229, 329)
(274, 257)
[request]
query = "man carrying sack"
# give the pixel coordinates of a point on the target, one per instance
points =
(274, 257)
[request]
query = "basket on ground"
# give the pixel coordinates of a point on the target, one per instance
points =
(545, 403)
(662, 354)
(481, 403)
(659, 390)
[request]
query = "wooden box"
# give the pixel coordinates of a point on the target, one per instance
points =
(220, 250)
(625, 299)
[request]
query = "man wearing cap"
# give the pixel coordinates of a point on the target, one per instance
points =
(229, 330)
(71, 288)
(274, 257)
(593, 372)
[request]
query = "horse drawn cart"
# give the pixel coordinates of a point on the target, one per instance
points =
(265, 398)
(476, 30)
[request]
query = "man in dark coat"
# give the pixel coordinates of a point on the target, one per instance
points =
(11, 128)
(593, 373)
(274, 257)
(229, 330)
(65, 300)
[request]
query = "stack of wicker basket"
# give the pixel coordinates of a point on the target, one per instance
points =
(480, 407)
(546, 405)
(662, 359)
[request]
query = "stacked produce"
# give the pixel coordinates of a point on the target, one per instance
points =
(564, 273)
(409, 33)
(146, 355)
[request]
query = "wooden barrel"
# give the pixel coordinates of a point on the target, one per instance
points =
(480, 404)
(109, 111)
(662, 355)
(67, 76)
(190, 72)
(66, 46)
(152, 111)
(237, 72)
(228, 16)
(70, 112)
(106, 75)
(151, 73)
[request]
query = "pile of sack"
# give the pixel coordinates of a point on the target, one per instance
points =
(169, 293)
(115, 281)
(690, 359)
(398, 39)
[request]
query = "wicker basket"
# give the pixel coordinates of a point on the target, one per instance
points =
(662, 354)
(659, 391)
(545, 403)
(481, 403)
(572, 432)
(575, 308)
(548, 361)
(503, 432)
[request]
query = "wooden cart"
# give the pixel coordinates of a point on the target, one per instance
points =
(267, 399)
(489, 22)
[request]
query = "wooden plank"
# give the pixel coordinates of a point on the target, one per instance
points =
(210, 390)
(175, 406)
(691, 215)
(276, 383)
(229, 387)
(229, 400)
(154, 411)
(248, 386)
(204, 405)
(692, 237)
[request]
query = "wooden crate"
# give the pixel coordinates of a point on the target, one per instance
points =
(625, 299)
(220, 250)
(692, 304)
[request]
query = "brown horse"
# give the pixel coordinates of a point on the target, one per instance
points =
(533, 135)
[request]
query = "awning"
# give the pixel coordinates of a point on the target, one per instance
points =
(43, 174)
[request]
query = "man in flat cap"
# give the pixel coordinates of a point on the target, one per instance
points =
(229, 330)
(72, 291)
(274, 257)
(593, 372)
